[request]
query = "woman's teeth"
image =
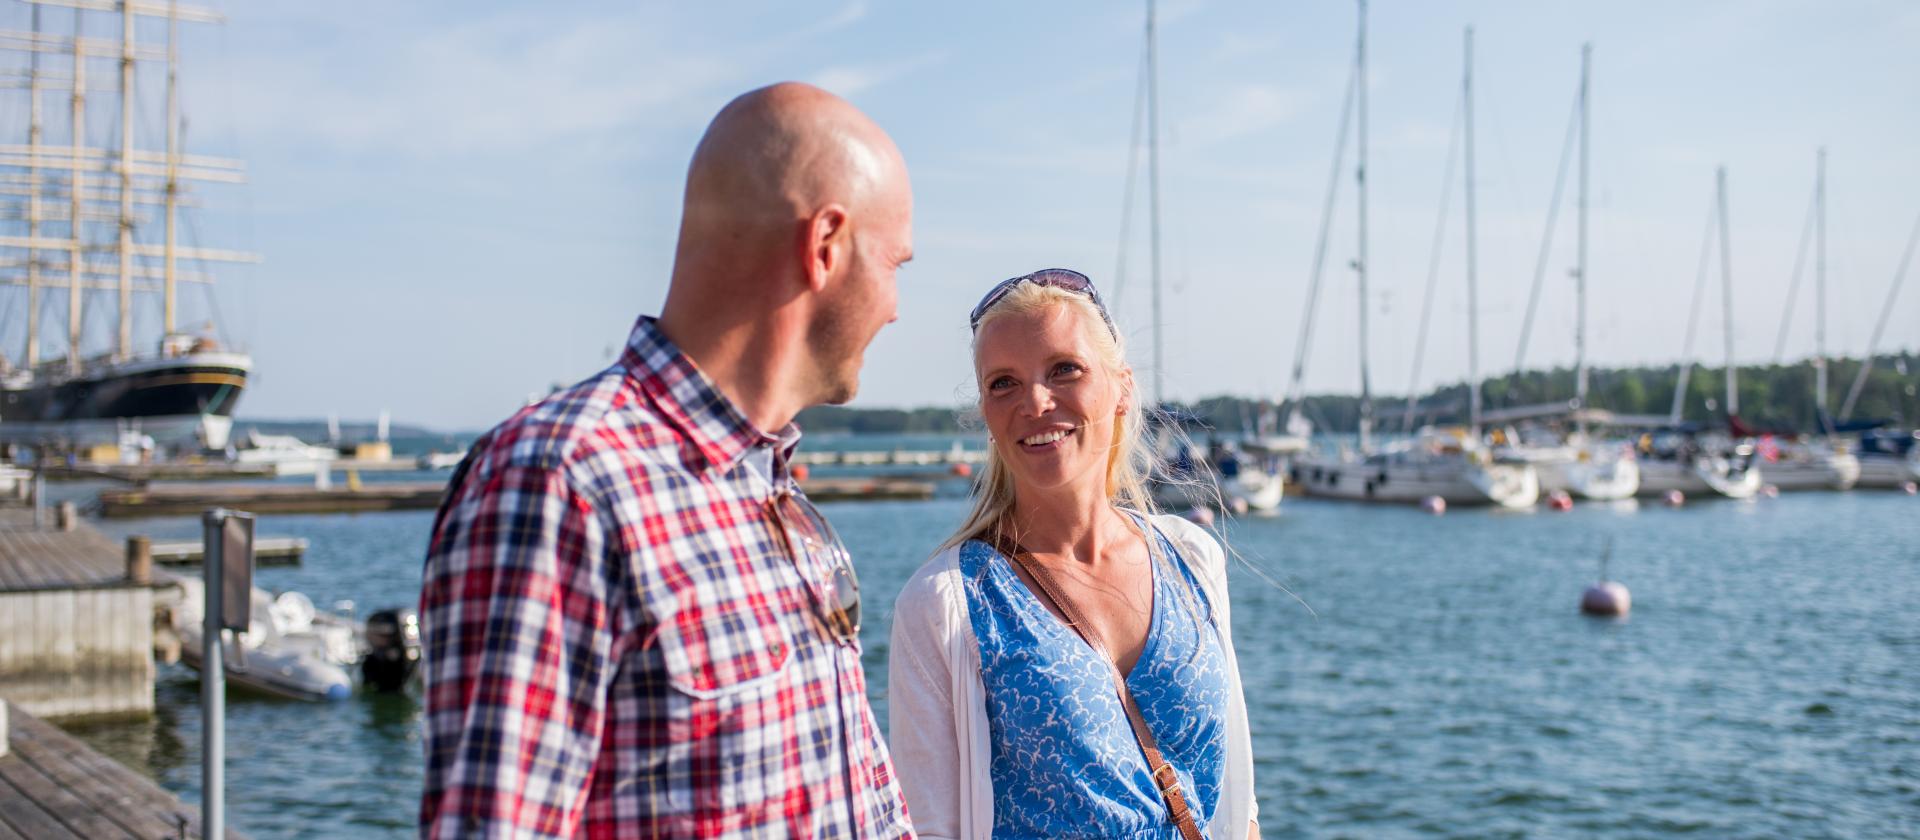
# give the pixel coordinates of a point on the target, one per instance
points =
(1045, 438)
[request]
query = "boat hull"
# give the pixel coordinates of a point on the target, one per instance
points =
(1505, 485)
(1704, 477)
(186, 399)
(1831, 471)
(1885, 471)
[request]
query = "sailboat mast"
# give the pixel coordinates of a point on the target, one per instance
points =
(1580, 272)
(1473, 288)
(1726, 297)
(74, 189)
(1153, 198)
(173, 159)
(1820, 289)
(125, 245)
(34, 128)
(1360, 262)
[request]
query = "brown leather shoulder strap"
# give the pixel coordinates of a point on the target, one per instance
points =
(1163, 773)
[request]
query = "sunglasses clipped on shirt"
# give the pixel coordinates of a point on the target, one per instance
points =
(1057, 278)
(811, 541)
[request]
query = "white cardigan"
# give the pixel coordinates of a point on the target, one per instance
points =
(937, 706)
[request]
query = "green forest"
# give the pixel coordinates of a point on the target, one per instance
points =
(1771, 396)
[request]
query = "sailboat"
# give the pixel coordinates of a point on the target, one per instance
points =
(1452, 465)
(1677, 457)
(1189, 477)
(1889, 457)
(80, 219)
(1577, 464)
(1820, 462)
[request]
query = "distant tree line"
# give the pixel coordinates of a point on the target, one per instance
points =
(1771, 396)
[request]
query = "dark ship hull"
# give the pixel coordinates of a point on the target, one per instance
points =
(180, 400)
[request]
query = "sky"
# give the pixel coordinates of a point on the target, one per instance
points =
(459, 205)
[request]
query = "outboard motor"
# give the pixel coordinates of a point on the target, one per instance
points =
(393, 649)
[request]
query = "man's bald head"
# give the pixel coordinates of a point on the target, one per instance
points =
(776, 154)
(797, 215)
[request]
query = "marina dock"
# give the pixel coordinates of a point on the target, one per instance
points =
(267, 551)
(76, 621)
(53, 787)
(191, 500)
(271, 498)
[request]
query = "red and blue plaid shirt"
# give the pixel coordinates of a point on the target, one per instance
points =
(618, 643)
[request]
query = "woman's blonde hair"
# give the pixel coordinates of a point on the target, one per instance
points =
(1129, 456)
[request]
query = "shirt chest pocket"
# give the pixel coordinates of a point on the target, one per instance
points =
(717, 650)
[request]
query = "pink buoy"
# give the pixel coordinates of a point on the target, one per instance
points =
(1771, 491)
(1237, 505)
(1606, 598)
(1676, 498)
(1434, 505)
(1200, 515)
(1911, 488)
(1560, 500)
(962, 470)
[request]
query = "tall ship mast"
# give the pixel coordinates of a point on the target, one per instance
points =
(89, 236)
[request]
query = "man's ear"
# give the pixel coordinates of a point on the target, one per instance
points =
(829, 243)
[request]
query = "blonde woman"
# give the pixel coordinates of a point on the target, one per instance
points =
(1063, 666)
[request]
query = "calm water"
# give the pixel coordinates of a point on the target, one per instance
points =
(1442, 685)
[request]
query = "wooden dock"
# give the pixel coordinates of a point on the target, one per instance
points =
(267, 551)
(865, 489)
(193, 500)
(55, 787)
(225, 470)
(76, 630)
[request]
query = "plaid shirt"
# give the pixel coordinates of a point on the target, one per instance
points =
(617, 641)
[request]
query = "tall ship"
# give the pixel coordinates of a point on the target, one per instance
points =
(91, 215)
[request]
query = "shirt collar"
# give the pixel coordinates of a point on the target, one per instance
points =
(692, 404)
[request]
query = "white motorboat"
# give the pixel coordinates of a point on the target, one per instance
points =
(287, 454)
(290, 649)
(1450, 466)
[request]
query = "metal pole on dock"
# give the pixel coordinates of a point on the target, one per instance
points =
(213, 686)
(39, 497)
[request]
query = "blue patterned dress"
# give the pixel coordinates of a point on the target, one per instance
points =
(1065, 762)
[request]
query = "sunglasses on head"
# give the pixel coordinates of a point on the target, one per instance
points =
(1057, 278)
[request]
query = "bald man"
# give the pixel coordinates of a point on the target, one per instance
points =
(635, 623)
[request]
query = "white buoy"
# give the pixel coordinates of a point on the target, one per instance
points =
(1238, 506)
(1676, 498)
(1606, 598)
(1200, 515)
(1434, 505)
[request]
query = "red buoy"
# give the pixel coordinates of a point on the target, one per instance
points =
(799, 472)
(1560, 500)
(961, 470)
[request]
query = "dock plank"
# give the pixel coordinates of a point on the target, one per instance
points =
(24, 814)
(140, 807)
(81, 818)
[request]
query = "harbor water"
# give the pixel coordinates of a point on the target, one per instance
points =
(1408, 675)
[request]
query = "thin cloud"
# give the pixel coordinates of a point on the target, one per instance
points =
(851, 80)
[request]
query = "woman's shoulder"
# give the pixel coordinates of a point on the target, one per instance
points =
(1196, 544)
(937, 583)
